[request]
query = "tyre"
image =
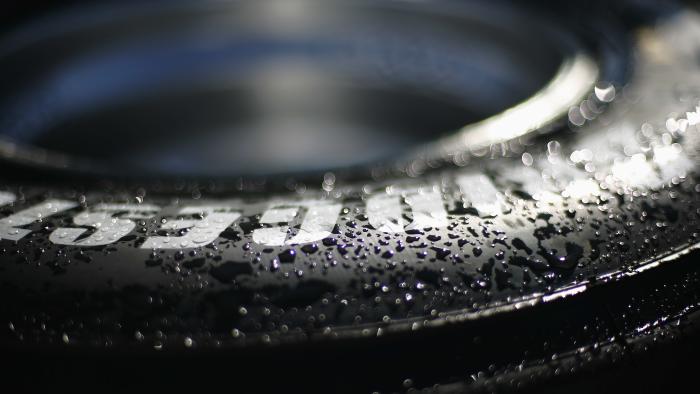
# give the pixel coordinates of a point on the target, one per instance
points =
(349, 196)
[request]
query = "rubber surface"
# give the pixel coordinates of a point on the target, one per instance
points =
(482, 262)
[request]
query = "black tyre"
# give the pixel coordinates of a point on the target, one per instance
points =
(349, 196)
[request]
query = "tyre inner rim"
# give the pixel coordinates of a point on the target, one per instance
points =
(278, 87)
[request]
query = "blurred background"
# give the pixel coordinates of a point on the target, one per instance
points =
(221, 89)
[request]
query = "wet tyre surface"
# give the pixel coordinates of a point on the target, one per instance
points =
(506, 255)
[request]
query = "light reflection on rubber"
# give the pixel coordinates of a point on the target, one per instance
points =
(574, 80)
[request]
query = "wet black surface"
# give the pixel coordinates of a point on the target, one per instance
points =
(502, 267)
